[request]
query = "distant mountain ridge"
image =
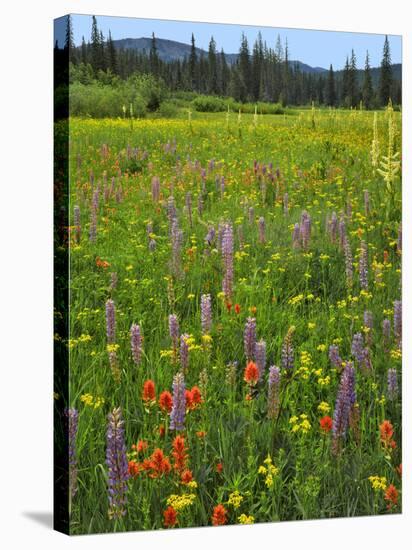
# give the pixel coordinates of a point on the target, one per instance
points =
(171, 50)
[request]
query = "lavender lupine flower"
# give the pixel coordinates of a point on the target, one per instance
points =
(358, 348)
(251, 214)
(171, 211)
(392, 384)
(273, 392)
(334, 356)
(399, 242)
(363, 266)
(286, 204)
(227, 254)
(178, 412)
(110, 321)
(305, 229)
(366, 202)
(348, 262)
(184, 352)
(73, 420)
(174, 330)
(113, 280)
(342, 232)
(222, 185)
(397, 320)
(155, 188)
(177, 239)
(333, 227)
(77, 225)
(116, 460)
(136, 343)
(368, 323)
(93, 225)
(211, 235)
(345, 401)
(188, 200)
(260, 354)
(367, 361)
(119, 194)
(288, 355)
(249, 338)
(200, 204)
(386, 331)
(261, 230)
(206, 313)
(152, 245)
(296, 236)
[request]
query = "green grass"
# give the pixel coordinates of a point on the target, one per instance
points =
(321, 166)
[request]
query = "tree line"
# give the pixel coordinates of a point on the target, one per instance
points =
(258, 74)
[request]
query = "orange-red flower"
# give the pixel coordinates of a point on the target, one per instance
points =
(200, 434)
(391, 496)
(134, 468)
(141, 446)
(159, 464)
(251, 373)
(166, 401)
(237, 309)
(101, 263)
(219, 515)
(162, 430)
(186, 476)
(386, 431)
(219, 467)
(326, 424)
(179, 453)
(253, 310)
(149, 391)
(170, 517)
(228, 306)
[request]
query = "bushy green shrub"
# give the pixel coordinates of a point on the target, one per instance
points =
(168, 109)
(209, 104)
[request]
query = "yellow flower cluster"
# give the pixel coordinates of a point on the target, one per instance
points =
(378, 483)
(324, 381)
(300, 423)
(246, 520)
(323, 407)
(269, 470)
(179, 502)
(90, 401)
(83, 338)
(112, 348)
(166, 353)
(396, 354)
(235, 499)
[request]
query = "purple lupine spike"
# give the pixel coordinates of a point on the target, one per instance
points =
(249, 338)
(363, 266)
(261, 224)
(334, 356)
(227, 254)
(342, 232)
(333, 227)
(119, 194)
(286, 204)
(77, 224)
(174, 329)
(222, 185)
(110, 321)
(220, 230)
(345, 400)
(397, 320)
(155, 189)
(367, 361)
(368, 322)
(358, 348)
(116, 460)
(184, 352)
(348, 262)
(288, 354)
(73, 419)
(392, 384)
(296, 236)
(211, 235)
(178, 412)
(251, 214)
(399, 241)
(136, 343)
(206, 313)
(177, 239)
(149, 228)
(260, 354)
(305, 229)
(200, 204)
(113, 280)
(386, 331)
(171, 210)
(95, 198)
(366, 202)
(274, 392)
(106, 192)
(152, 245)
(189, 206)
(93, 225)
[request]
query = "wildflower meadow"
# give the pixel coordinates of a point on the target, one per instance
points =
(235, 319)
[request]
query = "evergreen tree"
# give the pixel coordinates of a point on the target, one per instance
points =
(345, 84)
(83, 56)
(103, 53)
(212, 61)
(96, 51)
(69, 41)
(285, 76)
(353, 93)
(193, 66)
(385, 81)
(367, 89)
(330, 88)
(153, 56)
(111, 55)
(224, 74)
(244, 70)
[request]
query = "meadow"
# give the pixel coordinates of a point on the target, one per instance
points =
(235, 321)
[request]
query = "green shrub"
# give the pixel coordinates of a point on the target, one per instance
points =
(209, 104)
(168, 109)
